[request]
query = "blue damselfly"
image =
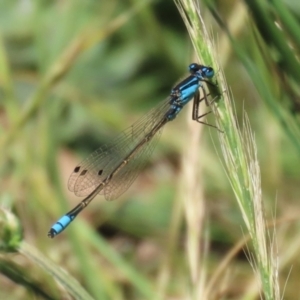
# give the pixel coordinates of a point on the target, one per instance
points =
(112, 168)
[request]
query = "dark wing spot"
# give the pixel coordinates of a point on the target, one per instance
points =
(83, 172)
(100, 172)
(76, 170)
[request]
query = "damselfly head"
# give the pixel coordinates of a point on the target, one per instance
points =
(193, 68)
(205, 72)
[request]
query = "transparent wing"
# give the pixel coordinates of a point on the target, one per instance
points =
(122, 180)
(102, 162)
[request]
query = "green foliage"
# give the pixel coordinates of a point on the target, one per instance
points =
(75, 73)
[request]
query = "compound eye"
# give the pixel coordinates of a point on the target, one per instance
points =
(208, 72)
(193, 68)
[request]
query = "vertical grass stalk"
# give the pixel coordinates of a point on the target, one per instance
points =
(239, 155)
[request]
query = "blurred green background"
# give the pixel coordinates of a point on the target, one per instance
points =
(73, 74)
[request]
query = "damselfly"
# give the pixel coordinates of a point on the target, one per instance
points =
(111, 169)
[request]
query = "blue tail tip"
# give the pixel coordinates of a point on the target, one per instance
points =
(52, 233)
